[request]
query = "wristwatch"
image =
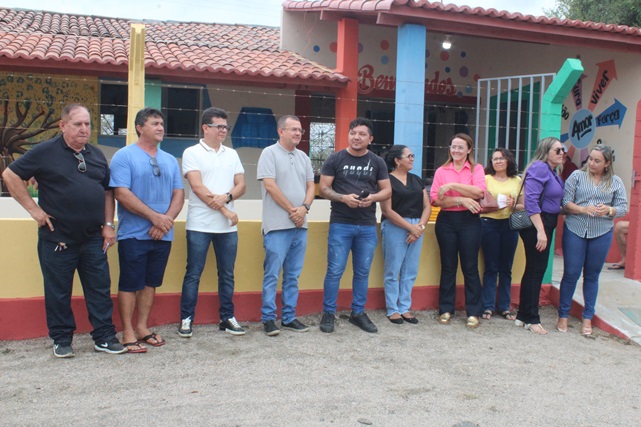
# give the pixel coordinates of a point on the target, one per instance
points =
(111, 224)
(306, 206)
(422, 226)
(230, 197)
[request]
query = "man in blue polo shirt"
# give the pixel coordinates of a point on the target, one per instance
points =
(149, 191)
(75, 214)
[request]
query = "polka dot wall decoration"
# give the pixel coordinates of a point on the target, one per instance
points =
(384, 44)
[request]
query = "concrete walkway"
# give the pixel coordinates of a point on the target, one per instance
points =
(618, 303)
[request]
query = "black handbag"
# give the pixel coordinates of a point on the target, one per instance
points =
(520, 220)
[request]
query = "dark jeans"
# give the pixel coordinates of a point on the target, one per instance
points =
(535, 265)
(499, 245)
(459, 234)
(58, 267)
(225, 248)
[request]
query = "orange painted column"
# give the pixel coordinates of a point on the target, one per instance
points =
(633, 253)
(346, 64)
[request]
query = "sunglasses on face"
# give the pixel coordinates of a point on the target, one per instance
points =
(558, 150)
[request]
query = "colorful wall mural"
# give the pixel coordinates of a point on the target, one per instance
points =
(31, 108)
(583, 123)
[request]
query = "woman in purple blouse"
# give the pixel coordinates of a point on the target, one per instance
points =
(543, 192)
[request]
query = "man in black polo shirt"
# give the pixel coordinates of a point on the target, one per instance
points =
(75, 213)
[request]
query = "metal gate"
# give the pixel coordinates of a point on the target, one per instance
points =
(508, 115)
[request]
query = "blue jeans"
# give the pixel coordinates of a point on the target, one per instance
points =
(584, 254)
(58, 267)
(361, 240)
(284, 249)
(225, 248)
(459, 234)
(401, 265)
(499, 244)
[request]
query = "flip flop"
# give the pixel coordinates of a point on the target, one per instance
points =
(152, 336)
(487, 314)
(616, 267)
(135, 347)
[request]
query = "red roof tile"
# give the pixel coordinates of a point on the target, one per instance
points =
(376, 6)
(187, 46)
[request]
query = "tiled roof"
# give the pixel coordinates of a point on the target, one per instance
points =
(377, 6)
(242, 50)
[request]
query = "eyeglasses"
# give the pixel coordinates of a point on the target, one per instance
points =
(82, 165)
(154, 163)
(558, 150)
(409, 156)
(294, 130)
(457, 148)
(219, 127)
(499, 159)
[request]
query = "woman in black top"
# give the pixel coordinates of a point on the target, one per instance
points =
(404, 219)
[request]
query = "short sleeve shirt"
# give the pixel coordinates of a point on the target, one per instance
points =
(352, 175)
(75, 200)
(131, 168)
(580, 190)
(217, 171)
(510, 187)
(291, 170)
(467, 175)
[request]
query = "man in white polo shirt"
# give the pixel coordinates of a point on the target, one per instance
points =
(217, 178)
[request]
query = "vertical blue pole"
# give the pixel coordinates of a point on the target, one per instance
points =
(410, 91)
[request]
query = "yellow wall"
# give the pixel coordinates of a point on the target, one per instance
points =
(21, 277)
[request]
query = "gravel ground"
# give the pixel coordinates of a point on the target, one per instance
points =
(416, 375)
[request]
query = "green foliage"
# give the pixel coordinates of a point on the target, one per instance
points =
(621, 12)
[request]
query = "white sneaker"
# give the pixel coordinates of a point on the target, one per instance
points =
(185, 330)
(231, 326)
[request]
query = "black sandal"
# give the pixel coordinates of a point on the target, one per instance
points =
(507, 314)
(487, 314)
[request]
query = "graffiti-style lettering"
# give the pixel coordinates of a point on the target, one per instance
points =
(582, 127)
(596, 94)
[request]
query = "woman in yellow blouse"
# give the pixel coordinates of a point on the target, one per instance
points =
(497, 239)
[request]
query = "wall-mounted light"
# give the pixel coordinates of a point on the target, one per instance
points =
(447, 43)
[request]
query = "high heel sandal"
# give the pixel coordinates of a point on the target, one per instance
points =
(586, 329)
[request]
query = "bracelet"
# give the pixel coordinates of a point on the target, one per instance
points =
(111, 224)
(610, 213)
(458, 202)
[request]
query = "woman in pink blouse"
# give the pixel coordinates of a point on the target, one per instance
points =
(458, 186)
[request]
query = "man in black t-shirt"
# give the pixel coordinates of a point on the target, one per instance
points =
(354, 179)
(75, 214)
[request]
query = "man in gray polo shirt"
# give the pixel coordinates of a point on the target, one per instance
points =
(287, 184)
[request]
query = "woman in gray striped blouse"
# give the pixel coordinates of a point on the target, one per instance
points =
(594, 196)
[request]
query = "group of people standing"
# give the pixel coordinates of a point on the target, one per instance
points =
(590, 199)
(78, 190)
